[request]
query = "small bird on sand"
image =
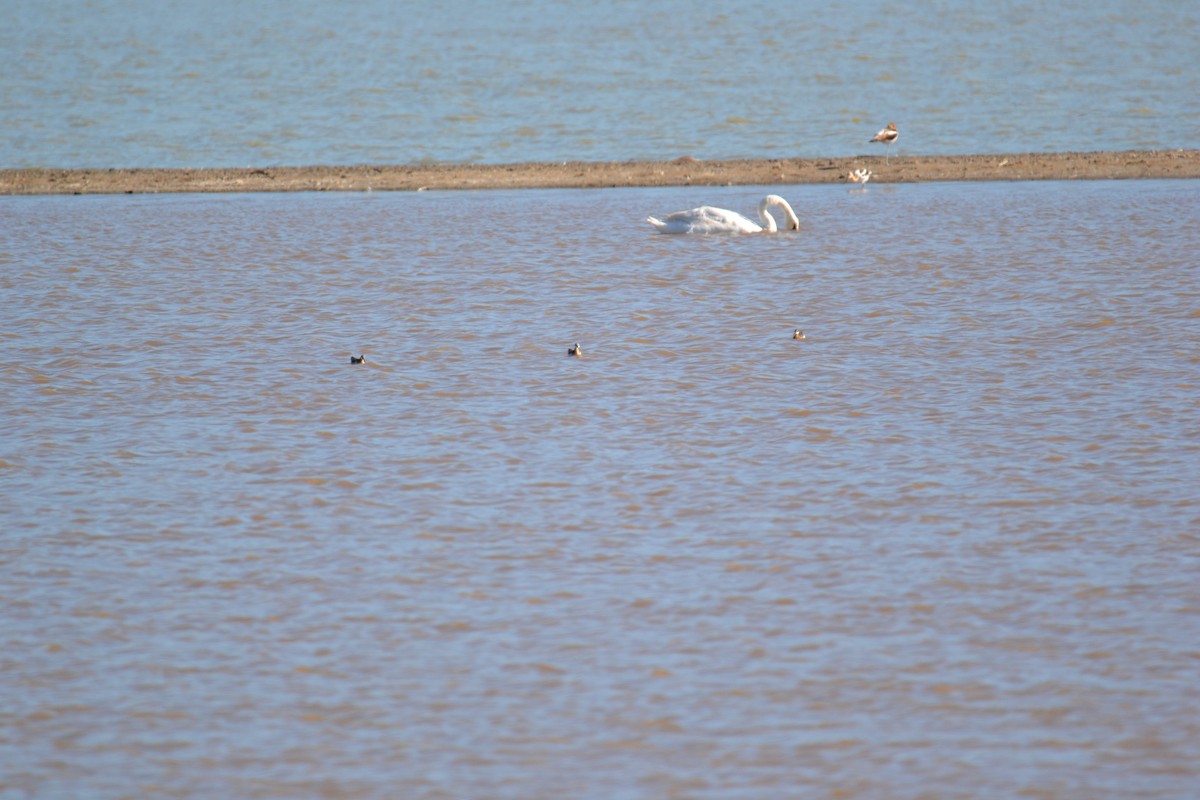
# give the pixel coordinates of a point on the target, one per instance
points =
(575, 350)
(860, 176)
(358, 359)
(887, 136)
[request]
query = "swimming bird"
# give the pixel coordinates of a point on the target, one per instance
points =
(575, 350)
(358, 359)
(707, 219)
(887, 136)
(799, 334)
(860, 176)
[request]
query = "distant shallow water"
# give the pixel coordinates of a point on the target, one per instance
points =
(100, 83)
(949, 543)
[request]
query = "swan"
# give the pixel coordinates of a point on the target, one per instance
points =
(707, 219)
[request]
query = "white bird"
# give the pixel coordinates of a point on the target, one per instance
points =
(860, 176)
(887, 136)
(707, 219)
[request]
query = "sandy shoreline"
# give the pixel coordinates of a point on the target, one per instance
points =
(680, 172)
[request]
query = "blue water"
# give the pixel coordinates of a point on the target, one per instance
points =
(171, 83)
(946, 546)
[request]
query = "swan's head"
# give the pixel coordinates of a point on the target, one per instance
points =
(799, 334)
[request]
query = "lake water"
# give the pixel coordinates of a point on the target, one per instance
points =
(946, 546)
(175, 83)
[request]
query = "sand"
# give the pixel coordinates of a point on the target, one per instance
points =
(683, 171)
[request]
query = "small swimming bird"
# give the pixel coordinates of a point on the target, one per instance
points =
(799, 334)
(707, 219)
(358, 359)
(575, 350)
(860, 176)
(887, 136)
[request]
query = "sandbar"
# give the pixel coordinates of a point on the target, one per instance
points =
(683, 171)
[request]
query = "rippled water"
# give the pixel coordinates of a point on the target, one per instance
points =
(170, 83)
(947, 546)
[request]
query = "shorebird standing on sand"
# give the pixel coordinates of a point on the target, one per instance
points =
(887, 136)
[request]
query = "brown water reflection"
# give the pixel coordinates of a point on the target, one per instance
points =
(945, 546)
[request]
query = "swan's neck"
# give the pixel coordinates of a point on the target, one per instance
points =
(793, 222)
(767, 220)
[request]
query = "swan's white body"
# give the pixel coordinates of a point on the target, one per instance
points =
(707, 219)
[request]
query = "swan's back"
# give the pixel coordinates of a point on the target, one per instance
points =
(705, 219)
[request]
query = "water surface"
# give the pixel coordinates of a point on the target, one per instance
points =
(948, 545)
(170, 83)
